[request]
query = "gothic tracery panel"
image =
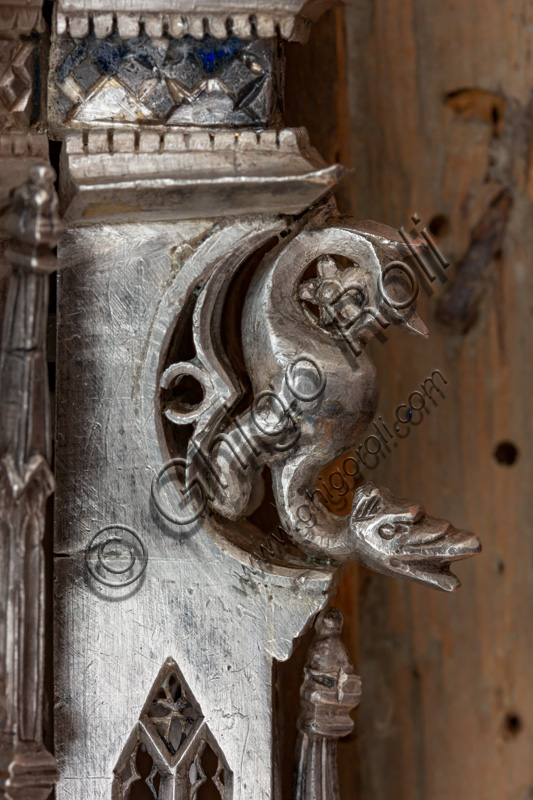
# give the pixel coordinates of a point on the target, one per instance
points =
(172, 752)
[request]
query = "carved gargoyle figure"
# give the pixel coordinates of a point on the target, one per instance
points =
(315, 391)
(396, 537)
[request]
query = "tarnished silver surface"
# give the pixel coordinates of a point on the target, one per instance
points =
(29, 230)
(246, 19)
(22, 138)
(130, 297)
(21, 30)
(199, 600)
(210, 307)
(27, 770)
(165, 80)
(190, 175)
(329, 692)
(135, 64)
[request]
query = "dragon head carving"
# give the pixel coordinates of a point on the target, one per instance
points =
(396, 537)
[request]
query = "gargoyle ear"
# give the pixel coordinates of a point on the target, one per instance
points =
(367, 503)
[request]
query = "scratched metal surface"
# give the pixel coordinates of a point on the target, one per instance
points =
(196, 602)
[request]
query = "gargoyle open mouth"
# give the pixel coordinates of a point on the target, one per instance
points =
(396, 537)
(428, 550)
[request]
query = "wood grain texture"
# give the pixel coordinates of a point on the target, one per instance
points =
(438, 121)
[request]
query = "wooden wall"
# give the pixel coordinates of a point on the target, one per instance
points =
(431, 103)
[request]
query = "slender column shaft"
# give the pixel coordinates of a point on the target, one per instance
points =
(27, 769)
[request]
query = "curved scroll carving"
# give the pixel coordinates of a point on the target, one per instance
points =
(201, 385)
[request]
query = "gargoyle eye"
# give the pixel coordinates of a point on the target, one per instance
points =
(391, 529)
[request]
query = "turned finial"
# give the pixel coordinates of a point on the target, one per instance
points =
(329, 692)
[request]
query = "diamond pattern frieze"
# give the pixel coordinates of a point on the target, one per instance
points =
(163, 80)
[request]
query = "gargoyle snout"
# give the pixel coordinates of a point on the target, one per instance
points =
(438, 541)
(396, 536)
(427, 550)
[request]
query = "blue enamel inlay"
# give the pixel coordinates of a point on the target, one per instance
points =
(107, 57)
(212, 54)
